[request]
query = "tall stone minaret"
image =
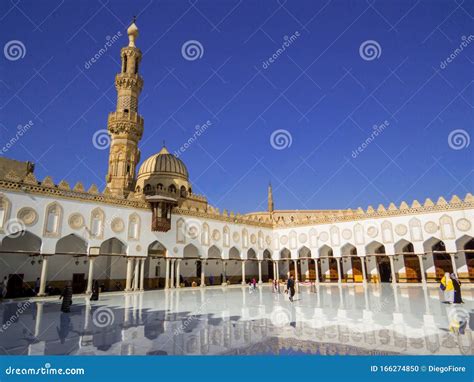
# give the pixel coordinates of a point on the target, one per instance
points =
(125, 125)
(270, 198)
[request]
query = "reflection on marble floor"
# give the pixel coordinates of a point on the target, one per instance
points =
(347, 319)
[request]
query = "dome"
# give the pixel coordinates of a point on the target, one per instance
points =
(165, 164)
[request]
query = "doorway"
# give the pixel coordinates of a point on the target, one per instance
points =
(383, 264)
(78, 283)
(15, 285)
(412, 269)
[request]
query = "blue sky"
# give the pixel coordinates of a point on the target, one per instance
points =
(321, 90)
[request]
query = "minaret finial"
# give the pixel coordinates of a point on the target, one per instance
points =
(270, 198)
(132, 32)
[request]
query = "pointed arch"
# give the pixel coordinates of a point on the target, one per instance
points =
(348, 249)
(72, 244)
(97, 223)
(53, 220)
(190, 251)
(285, 253)
(267, 255)
(260, 239)
(404, 246)
(359, 234)
(313, 238)
(134, 226)
(434, 244)
(245, 238)
(214, 252)
(22, 241)
(325, 251)
(234, 254)
(157, 249)
(304, 252)
(113, 246)
(180, 227)
(251, 254)
(374, 247)
(335, 236)
(463, 241)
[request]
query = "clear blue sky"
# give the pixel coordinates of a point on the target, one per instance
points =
(319, 89)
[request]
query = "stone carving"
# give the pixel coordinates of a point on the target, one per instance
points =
(28, 216)
(401, 229)
(431, 227)
(302, 238)
(268, 240)
(372, 231)
(236, 237)
(117, 225)
(284, 240)
(76, 221)
(463, 225)
(324, 236)
(346, 234)
(216, 235)
(253, 238)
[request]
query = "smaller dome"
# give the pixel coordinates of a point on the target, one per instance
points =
(165, 164)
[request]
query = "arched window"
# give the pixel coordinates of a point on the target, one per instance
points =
(53, 217)
(147, 189)
(172, 189)
(359, 234)
(415, 230)
(180, 236)
(182, 191)
(159, 186)
(138, 189)
(190, 191)
(226, 236)
(387, 232)
(205, 234)
(335, 239)
(245, 238)
(260, 240)
(97, 223)
(4, 211)
(447, 228)
(134, 227)
(124, 69)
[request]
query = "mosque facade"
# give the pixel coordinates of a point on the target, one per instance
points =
(149, 230)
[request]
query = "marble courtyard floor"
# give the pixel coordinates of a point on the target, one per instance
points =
(346, 319)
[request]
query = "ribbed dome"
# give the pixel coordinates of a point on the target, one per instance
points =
(164, 163)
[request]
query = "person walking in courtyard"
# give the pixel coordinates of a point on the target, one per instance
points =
(95, 291)
(37, 285)
(447, 287)
(457, 290)
(254, 283)
(66, 296)
(290, 286)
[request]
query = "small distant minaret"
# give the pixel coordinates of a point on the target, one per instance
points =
(270, 198)
(125, 125)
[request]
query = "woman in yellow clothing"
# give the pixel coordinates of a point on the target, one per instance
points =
(448, 288)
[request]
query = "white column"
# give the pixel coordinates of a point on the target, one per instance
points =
(90, 277)
(172, 273)
(453, 262)
(296, 270)
(277, 270)
(167, 274)
(338, 262)
(44, 273)
(274, 269)
(259, 271)
(364, 275)
(392, 269)
(142, 275)
(203, 274)
(178, 266)
(136, 274)
(422, 269)
(243, 272)
(128, 282)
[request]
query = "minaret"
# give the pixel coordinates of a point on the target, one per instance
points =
(125, 125)
(270, 198)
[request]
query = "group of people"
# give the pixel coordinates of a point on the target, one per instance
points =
(451, 286)
(66, 295)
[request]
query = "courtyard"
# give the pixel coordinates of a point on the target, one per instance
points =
(326, 319)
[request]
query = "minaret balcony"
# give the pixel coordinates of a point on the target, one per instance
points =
(125, 116)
